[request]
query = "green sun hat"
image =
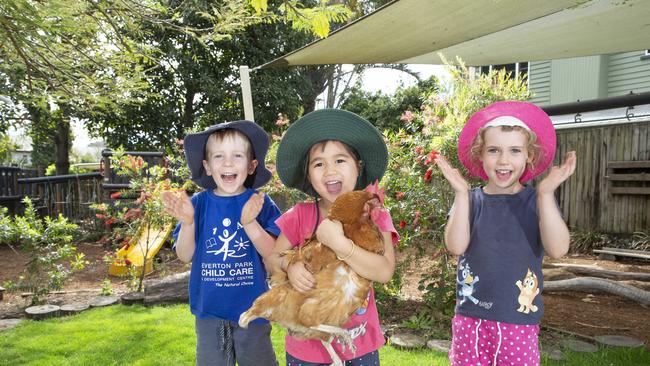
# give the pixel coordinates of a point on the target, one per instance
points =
(330, 124)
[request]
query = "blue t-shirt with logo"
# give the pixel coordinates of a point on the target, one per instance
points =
(227, 272)
(499, 276)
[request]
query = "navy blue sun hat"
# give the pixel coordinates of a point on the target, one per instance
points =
(194, 145)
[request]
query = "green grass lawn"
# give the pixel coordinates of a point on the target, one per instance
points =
(135, 335)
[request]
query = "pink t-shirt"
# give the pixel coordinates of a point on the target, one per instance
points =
(297, 225)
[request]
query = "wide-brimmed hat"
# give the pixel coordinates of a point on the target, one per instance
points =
(511, 113)
(330, 124)
(194, 145)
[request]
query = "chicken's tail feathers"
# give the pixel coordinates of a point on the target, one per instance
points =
(247, 317)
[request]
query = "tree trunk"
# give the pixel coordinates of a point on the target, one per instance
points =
(317, 78)
(332, 85)
(40, 131)
(188, 111)
(62, 143)
(602, 273)
(589, 284)
(169, 290)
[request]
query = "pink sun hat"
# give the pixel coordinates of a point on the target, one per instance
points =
(510, 113)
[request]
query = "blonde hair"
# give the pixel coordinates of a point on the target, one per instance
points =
(221, 135)
(533, 148)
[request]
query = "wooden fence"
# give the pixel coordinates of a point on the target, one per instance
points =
(10, 193)
(610, 190)
(71, 194)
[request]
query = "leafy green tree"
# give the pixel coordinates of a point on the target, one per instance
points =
(101, 59)
(194, 84)
(385, 111)
(6, 146)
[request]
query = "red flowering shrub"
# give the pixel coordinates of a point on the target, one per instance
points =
(426, 134)
(124, 217)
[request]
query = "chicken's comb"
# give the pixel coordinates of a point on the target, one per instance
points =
(376, 189)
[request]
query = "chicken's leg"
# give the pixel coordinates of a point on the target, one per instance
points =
(336, 360)
(341, 335)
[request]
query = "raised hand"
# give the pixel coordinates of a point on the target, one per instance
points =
(330, 233)
(252, 208)
(558, 174)
(178, 204)
(453, 176)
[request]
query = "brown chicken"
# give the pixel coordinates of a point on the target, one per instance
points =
(339, 291)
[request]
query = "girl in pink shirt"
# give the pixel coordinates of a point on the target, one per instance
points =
(327, 153)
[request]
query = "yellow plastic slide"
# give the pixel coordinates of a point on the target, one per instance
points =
(146, 241)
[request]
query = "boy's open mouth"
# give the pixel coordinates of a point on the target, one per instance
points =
(228, 177)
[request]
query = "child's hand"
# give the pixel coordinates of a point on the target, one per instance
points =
(179, 206)
(453, 176)
(558, 174)
(252, 208)
(330, 233)
(300, 278)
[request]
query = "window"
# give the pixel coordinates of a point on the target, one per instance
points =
(517, 68)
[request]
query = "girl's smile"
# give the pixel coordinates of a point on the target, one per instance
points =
(504, 160)
(332, 171)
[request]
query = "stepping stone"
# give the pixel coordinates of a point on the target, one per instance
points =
(619, 341)
(440, 345)
(407, 341)
(580, 346)
(9, 323)
(74, 308)
(100, 301)
(131, 298)
(555, 354)
(40, 312)
(387, 329)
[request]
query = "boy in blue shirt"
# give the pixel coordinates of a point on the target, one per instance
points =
(226, 231)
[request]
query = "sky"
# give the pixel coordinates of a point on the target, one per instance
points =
(388, 80)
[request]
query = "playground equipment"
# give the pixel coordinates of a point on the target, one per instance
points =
(148, 240)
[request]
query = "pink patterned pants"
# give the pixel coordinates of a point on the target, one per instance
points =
(480, 342)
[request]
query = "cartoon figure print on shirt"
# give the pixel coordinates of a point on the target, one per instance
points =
(528, 290)
(239, 248)
(227, 262)
(466, 281)
(362, 310)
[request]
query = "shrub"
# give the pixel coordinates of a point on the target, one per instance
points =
(48, 243)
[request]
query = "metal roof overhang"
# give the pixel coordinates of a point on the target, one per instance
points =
(482, 32)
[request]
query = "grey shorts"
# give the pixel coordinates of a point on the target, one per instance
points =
(220, 342)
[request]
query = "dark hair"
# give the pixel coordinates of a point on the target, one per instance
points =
(305, 163)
